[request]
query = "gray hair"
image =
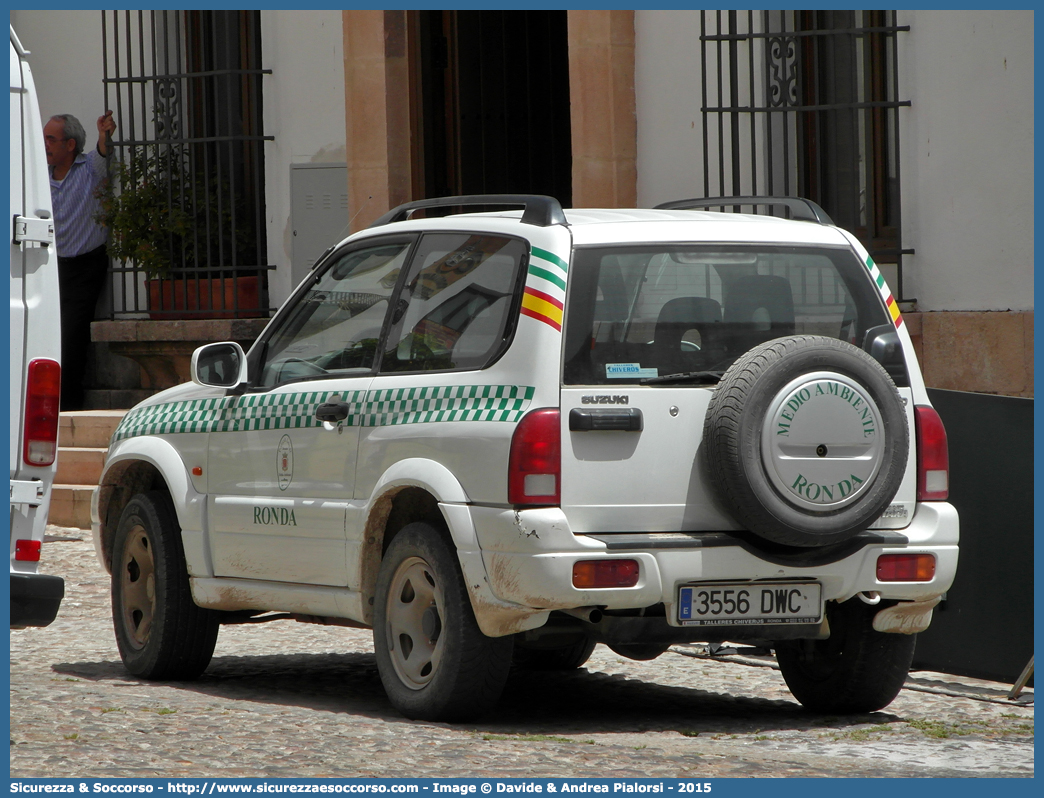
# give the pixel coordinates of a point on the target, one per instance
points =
(72, 129)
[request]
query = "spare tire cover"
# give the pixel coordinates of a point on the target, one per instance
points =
(806, 440)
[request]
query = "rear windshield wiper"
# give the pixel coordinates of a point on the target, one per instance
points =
(698, 377)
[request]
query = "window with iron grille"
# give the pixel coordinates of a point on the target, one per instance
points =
(187, 199)
(807, 103)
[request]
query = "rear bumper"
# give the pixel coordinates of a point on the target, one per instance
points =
(529, 560)
(35, 599)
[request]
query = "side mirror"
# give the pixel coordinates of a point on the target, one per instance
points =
(882, 344)
(221, 365)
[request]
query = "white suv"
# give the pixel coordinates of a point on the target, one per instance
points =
(502, 437)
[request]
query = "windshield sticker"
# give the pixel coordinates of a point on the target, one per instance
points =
(625, 371)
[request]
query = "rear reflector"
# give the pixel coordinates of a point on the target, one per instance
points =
(535, 462)
(933, 457)
(605, 573)
(906, 568)
(27, 550)
(43, 390)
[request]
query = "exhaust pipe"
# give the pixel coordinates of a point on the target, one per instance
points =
(589, 614)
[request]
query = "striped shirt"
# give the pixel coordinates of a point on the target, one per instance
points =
(75, 204)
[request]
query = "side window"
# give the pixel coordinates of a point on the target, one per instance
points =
(335, 326)
(455, 310)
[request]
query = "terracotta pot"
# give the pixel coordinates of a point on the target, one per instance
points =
(204, 298)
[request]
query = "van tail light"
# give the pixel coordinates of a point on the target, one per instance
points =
(42, 394)
(27, 550)
(933, 456)
(906, 568)
(535, 462)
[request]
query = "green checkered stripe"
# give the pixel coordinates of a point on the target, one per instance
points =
(456, 403)
(297, 410)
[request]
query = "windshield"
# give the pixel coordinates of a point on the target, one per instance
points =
(639, 314)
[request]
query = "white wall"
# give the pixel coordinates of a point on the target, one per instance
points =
(304, 110)
(667, 97)
(966, 146)
(967, 158)
(65, 53)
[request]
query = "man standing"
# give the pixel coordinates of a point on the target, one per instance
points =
(82, 261)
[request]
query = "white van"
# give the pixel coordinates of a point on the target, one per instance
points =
(35, 353)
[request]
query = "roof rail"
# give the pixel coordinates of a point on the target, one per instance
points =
(802, 208)
(540, 210)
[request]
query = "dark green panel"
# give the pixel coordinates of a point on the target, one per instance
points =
(984, 629)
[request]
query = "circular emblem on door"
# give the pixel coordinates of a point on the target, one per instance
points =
(285, 462)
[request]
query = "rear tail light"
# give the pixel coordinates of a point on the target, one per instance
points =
(27, 550)
(605, 573)
(535, 463)
(933, 458)
(906, 568)
(41, 412)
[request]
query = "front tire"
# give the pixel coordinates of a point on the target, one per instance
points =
(855, 670)
(433, 659)
(160, 632)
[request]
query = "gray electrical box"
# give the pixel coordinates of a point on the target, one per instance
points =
(318, 212)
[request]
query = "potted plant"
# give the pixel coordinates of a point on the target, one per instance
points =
(153, 209)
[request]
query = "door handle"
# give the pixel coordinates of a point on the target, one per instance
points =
(627, 419)
(332, 412)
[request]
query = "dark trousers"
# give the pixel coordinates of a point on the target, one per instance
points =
(80, 280)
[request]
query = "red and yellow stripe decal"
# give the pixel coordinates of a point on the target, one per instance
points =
(893, 308)
(544, 298)
(542, 307)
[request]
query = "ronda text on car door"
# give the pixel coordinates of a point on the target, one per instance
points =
(281, 479)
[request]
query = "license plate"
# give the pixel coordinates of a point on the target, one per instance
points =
(747, 603)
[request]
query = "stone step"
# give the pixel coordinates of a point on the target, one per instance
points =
(71, 506)
(83, 440)
(79, 465)
(87, 429)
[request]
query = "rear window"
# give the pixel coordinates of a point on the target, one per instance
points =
(637, 313)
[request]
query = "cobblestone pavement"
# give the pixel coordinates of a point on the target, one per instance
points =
(293, 700)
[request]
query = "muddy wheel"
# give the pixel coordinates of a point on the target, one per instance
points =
(161, 634)
(855, 670)
(434, 661)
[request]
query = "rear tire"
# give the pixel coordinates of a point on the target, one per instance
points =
(855, 670)
(641, 652)
(160, 632)
(433, 659)
(560, 658)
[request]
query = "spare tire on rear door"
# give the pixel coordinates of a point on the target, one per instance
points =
(806, 440)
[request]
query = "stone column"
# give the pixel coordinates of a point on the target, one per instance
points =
(602, 109)
(377, 113)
